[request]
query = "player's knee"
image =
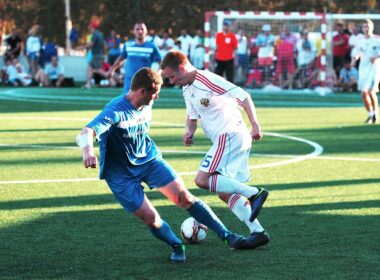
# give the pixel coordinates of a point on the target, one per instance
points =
(185, 199)
(201, 182)
(151, 220)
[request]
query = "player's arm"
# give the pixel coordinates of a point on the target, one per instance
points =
(85, 141)
(190, 128)
(250, 110)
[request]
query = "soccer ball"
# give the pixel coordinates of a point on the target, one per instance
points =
(192, 231)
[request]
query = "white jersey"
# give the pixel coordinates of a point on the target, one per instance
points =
(369, 73)
(216, 102)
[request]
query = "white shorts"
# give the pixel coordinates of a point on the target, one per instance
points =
(369, 79)
(229, 156)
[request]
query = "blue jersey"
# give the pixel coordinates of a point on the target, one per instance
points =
(138, 56)
(122, 133)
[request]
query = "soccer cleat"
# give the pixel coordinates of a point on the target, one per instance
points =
(257, 202)
(369, 120)
(375, 119)
(178, 255)
(235, 241)
(256, 239)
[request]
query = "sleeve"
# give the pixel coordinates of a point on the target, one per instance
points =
(123, 53)
(103, 123)
(237, 93)
(61, 70)
(190, 110)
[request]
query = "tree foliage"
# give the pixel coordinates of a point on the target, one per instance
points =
(158, 14)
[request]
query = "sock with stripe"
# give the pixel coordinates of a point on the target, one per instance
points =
(219, 183)
(239, 205)
(203, 214)
(165, 233)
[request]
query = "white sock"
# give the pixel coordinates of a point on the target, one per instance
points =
(219, 183)
(371, 114)
(241, 208)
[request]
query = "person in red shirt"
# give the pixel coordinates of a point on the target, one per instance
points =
(226, 43)
(341, 48)
(285, 63)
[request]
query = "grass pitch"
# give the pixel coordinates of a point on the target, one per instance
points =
(319, 162)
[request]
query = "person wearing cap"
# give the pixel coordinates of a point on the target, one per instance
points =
(265, 41)
(226, 44)
(97, 46)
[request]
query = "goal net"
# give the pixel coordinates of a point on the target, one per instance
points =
(275, 49)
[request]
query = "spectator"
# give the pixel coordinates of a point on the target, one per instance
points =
(185, 40)
(101, 75)
(255, 75)
(153, 37)
(54, 73)
(265, 42)
(253, 48)
(341, 48)
(13, 43)
(242, 53)
(16, 76)
(197, 51)
(33, 49)
(97, 46)
(166, 44)
(348, 77)
(306, 55)
(226, 45)
(113, 45)
(285, 63)
(74, 36)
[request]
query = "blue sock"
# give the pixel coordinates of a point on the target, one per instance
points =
(203, 214)
(165, 234)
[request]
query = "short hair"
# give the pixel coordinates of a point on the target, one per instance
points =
(173, 59)
(146, 78)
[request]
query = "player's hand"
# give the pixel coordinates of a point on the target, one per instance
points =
(188, 139)
(256, 132)
(89, 160)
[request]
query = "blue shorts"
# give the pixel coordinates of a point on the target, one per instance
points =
(34, 55)
(130, 193)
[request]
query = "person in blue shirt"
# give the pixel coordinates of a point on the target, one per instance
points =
(129, 157)
(137, 53)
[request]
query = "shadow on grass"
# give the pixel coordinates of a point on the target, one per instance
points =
(109, 244)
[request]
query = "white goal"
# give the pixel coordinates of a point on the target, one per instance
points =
(286, 70)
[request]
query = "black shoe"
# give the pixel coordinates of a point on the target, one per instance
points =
(369, 120)
(257, 202)
(374, 119)
(256, 239)
(178, 255)
(235, 241)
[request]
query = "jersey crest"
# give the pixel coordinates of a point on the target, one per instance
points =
(205, 102)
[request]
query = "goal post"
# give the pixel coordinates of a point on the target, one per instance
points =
(296, 22)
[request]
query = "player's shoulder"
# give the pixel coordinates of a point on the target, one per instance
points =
(211, 81)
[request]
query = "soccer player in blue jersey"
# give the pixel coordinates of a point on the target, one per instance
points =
(137, 53)
(128, 157)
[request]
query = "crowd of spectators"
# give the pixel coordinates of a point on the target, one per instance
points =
(251, 58)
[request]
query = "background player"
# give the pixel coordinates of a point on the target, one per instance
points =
(128, 157)
(216, 102)
(137, 53)
(369, 70)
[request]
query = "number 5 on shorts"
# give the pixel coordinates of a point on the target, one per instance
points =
(206, 161)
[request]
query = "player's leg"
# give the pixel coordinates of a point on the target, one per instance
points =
(240, 206)
(164, 178)
(375, 105)
(220, 165)
(367, 101)
(130, 194)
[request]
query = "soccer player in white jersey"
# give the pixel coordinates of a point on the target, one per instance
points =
(224, 169)
(128, 157)
(369, 70)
